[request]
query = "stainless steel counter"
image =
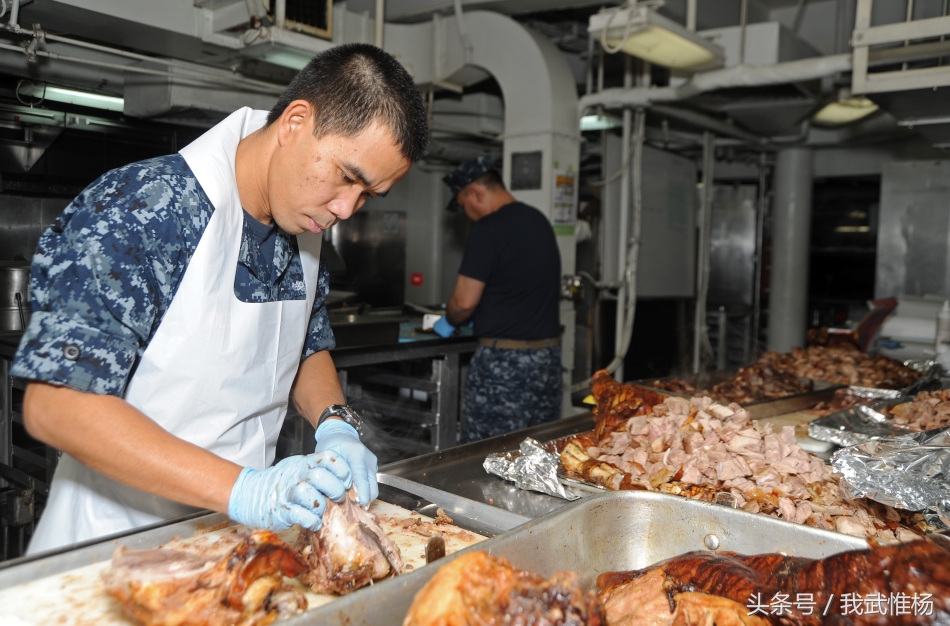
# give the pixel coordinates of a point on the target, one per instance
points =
(459, 470)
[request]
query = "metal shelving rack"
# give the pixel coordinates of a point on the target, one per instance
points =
(26, 466)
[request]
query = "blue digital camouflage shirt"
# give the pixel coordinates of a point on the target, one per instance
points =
(108, 268)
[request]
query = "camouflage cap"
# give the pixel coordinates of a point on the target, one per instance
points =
(469, 171)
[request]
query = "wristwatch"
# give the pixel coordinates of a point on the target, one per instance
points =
(345, 413)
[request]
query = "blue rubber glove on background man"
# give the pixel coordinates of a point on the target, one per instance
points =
(342, 439)
(442, 327)
(293, 491)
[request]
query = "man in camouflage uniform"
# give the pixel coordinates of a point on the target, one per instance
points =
(178, 303)
(509, 286)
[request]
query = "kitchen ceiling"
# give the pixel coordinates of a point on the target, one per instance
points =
(164, 31)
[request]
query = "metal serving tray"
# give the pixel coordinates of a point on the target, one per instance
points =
(615, 531)
(469, 515)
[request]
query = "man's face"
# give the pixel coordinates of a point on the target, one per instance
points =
(314, 183)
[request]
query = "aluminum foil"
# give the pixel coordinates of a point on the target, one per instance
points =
(534, 468)
(860, 423)
(930, 370)
(873, 393)
(910, 472)
(854, 426)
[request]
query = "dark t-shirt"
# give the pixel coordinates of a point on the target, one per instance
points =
(514, 252)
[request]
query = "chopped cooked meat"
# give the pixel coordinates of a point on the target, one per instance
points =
(698, 448)
(759, 381)
(676, 385)
(854, 587)
(478, 588)
(928, 410)
(778, 375)
(239, 581)
(846, 366)
(349, 551)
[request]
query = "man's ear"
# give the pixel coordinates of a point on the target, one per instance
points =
(297, 117)
(476, 193)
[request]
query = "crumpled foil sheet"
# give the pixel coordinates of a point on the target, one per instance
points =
(930, 370)
(534, 468)
(873, 393)
(854, 426)
(910, 472)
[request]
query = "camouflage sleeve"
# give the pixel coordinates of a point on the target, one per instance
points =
(102, 276)
(319, 334)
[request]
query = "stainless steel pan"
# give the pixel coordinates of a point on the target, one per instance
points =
(615, 531)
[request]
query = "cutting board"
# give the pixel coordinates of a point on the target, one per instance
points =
(78, 597)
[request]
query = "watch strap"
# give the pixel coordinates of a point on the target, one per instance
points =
(345, 413)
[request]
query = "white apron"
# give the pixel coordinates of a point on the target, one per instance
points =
(218, 371)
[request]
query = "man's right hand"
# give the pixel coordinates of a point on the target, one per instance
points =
(293, 491)
(443, 328)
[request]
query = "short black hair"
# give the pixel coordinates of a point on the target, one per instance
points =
(351, 86)
(491, 180)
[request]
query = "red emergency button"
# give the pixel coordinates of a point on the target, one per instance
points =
(416, 279)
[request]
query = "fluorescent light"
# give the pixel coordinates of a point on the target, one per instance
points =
(71, 96)
(852, 229)
(845, 110)
(599, 122)
(286, 59)
(646, 34)
(277, 54)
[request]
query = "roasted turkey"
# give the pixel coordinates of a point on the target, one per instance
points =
(897, 584)
(239, 579)
(477, 589)
(349, 551)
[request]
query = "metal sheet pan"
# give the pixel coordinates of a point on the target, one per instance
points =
(614, 531)
(464, 513)
(65, 586)
(459, 470)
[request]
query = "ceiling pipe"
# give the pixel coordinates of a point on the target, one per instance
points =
(380, 23)
(463, 29)
(756, 76)
(185, 70)
(743, 22)
(623, 230)
(700, 334)
(707, 122)
(13, 24)
(737, 76)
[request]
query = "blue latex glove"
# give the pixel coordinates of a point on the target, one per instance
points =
(442, 327)
(342, 439)
(293, 491)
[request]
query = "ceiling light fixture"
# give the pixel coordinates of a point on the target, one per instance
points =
(599, 122)
(282, 55)
(642, 32)
(42, 92)
(845, 110)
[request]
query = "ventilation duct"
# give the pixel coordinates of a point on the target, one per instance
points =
(188, 102)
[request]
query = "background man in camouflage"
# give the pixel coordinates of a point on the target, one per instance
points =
(179, 302)
(509, 286)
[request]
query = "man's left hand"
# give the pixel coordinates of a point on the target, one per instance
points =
(340, 437)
